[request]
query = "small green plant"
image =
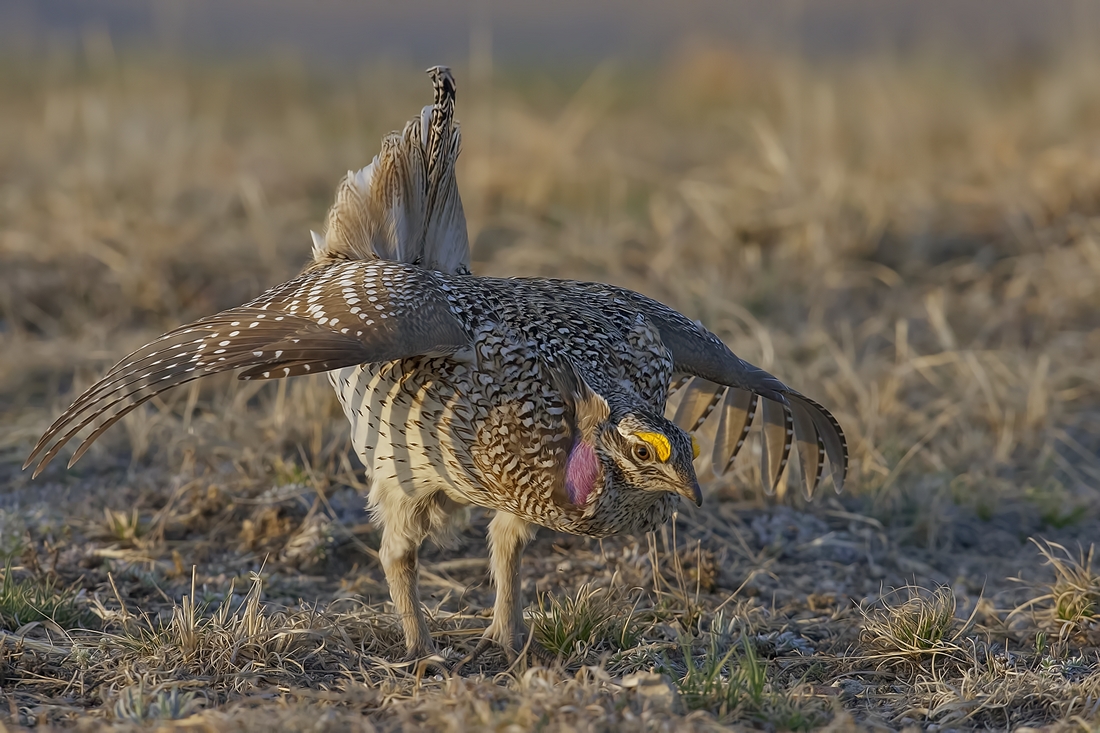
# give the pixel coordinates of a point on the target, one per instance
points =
(33, 599)
(123, 527)
(289, 473)
(721, 682)
(137, 704)
(12, 537)
(1057, 506)
(590, 620)
(734, 684)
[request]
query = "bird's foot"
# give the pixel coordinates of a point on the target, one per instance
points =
(482, 646)
(520, 644)
(425, 659)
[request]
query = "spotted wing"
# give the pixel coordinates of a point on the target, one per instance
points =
(347, 314)
(736, 388)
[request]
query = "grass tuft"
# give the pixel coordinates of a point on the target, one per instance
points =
(1070, 606)
(240, 640)
(40, 599)
(591, 620)
(921, 627)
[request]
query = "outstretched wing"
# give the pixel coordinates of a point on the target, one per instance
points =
(349, 313)
(739, 391)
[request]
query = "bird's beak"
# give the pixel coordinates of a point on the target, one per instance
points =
(692, 492)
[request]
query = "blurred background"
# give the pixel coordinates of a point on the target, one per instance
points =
(892, 205)
(571, 32)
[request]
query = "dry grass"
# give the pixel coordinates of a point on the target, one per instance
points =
(1068, 607)
(922, 627)
(916, 244)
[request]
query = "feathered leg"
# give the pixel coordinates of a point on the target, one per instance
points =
(405, 523)
(508, 536)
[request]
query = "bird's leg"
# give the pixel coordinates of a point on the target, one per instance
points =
(508, 536)
(400, 564)
(404, 528)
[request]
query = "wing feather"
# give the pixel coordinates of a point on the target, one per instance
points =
(831, 436)
(735, 419)
(811, 449)
(679, 381)
(311, 324)
(698, 352)
(698, 402)
(777, 435)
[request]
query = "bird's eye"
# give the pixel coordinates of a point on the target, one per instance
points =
(643, 452)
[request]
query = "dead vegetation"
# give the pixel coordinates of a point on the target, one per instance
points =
(915, 243)
(1069, 607)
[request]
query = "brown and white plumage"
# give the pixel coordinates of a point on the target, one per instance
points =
(405, 206)
(542, 399)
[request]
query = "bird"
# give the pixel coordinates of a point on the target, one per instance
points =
(541, 399)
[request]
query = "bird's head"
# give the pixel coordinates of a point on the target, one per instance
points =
(651, 453)
(625, 447)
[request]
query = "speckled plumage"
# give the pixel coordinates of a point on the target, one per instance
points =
(541, 399)
(491, 415)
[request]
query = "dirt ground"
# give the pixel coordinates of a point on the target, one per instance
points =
(914, 244)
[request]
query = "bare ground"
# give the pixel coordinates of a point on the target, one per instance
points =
(915, 244)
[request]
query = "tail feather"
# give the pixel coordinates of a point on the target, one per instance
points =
(405, 205)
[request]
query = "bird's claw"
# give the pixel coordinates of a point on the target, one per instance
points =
(533, 650)
(473, 656)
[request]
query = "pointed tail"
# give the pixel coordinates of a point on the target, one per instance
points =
(405, 206)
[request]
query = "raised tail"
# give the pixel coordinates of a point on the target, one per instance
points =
(405, 205)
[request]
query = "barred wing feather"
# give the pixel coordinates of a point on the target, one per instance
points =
(735, 387)
(277, 335)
